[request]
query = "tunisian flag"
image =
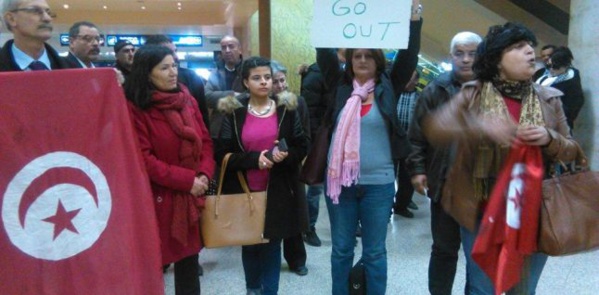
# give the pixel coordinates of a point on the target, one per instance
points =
(77, 214)
(509, 229)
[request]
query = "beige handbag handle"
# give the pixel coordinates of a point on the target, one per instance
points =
(242, 181)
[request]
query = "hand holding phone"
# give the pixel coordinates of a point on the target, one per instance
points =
(280, 146)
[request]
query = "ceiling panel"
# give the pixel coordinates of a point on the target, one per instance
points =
(192, 12)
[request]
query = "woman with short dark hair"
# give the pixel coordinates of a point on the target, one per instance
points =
(254, 122)
(177, 151)
(503, 107)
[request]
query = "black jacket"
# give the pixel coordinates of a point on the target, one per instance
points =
(426, 158)
(389, 86)
(195, 84)
(317, 96)
(573, 98)
(286, 210)
(73, 62)
(7, 61)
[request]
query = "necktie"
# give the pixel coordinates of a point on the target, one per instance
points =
(38, 66)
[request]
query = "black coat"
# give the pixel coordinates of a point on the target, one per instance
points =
(195, 84)
(573, 98)
(286, 210)
(426, 158)
(317, 96)
(8, 64)
(73, 62)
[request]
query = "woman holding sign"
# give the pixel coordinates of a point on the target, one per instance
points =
(366, 141)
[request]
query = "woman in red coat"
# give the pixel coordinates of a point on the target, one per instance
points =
(177, 152)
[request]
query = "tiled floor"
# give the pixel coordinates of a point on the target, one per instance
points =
(408, 247)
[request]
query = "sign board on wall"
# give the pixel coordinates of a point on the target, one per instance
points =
(361, 23)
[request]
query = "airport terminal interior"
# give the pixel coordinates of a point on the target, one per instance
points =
(280, 29)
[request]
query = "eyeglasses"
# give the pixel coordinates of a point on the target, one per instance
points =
(37, 11)
(125, 50)
(90, 39)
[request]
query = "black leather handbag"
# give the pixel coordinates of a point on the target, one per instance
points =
(357, 279)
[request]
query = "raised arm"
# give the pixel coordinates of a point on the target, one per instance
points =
(406, 60)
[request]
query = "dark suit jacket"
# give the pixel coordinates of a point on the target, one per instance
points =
(7, 61)
(73, 61)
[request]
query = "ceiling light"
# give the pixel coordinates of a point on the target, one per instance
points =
(179, 7)
(178, 3)
(143, 8)
(105, 7)
(66, 6)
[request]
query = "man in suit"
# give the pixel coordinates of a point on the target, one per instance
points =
(30, 21)
(84, 45)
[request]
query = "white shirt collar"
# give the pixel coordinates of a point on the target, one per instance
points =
(23, 60)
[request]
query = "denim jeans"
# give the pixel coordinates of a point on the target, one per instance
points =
(480, 284)
(262, 266)
(313, 196)
(370, 205)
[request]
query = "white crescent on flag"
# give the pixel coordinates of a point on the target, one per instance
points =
(514, 196)
(65, 219)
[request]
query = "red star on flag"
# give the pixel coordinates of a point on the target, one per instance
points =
(517, 199)
(62, 220)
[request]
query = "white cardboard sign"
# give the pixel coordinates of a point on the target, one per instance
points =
(361, 23)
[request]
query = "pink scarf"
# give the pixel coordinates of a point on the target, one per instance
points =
(344, 165)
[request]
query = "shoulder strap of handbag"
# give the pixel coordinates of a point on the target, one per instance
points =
(221, 176)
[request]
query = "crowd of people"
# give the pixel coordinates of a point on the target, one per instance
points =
(450, 140)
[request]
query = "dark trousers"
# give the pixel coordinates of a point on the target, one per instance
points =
(444, 255)
(405, 190)
(294, 251)
(187, 279)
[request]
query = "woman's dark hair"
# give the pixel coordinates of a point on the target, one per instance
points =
(379, 60)
(490, 50)
(252, 63)
(138, 88)
(561, 57)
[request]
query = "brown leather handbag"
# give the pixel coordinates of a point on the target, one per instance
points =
(234, 219)
(570, 211)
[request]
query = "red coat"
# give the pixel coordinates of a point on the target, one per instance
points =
(160, 149)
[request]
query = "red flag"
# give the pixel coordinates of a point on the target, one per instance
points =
(509, 228)
(75, 202)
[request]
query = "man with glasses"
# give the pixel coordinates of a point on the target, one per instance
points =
(30, 21)
(428, 165)
(84, 45)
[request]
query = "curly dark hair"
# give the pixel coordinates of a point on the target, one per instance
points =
(252, 63)
(138, 88)
(490, 51)
(379, 60)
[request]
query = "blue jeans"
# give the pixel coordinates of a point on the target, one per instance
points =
(313, 196)
(371, 206)
(262, 266)
(478, 283)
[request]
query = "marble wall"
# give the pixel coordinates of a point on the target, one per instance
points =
(583, 40)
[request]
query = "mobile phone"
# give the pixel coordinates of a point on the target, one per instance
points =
(281, 146)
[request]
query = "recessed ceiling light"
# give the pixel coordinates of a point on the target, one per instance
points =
(143, 8)
(179, 7)
(66, 6)
(178, 3)
(105, 7)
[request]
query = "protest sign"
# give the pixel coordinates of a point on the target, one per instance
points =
(361, 24)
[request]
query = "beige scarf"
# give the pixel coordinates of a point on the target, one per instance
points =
(489, 155)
